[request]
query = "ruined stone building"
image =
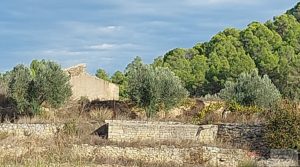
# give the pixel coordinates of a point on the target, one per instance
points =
(85, 85)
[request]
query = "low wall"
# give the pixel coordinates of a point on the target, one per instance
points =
(238, 135)
(211, 156)
(242, 135)
(142, 130)
(38, 130)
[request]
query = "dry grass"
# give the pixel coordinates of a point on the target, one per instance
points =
(100, 115)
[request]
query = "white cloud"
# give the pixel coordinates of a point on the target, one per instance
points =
(63, 52)
(89, 28)
(104, 46)
(110, 46)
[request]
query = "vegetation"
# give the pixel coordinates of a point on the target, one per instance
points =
(153, 88)
(120, 79)
(101, 73)
(44, 82)
(273, 48)
(283, 127)
(250, 89)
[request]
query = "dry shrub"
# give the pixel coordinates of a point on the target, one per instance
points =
(283, 127)
(100, 115)
(248, 163)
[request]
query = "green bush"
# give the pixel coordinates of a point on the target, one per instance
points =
(200, 119)
(251, 90)
(153, 88)
(283, 127)
(235, 107)
(43, 83)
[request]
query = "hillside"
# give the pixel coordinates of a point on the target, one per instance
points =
(272, 47)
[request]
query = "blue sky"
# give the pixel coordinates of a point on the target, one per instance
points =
(110, 33)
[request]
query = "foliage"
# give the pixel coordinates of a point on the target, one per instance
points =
(273, 48)
(43, 83)
(251, 90)
(207, 110)
(295, 11)
(235, 107)
(101, 73)
(153, 88)
(19, 86)
(283, 127)
(119, 78)
(188, 65)
(70, 128)
(49, 84)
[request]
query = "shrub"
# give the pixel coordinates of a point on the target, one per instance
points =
(18, 87)
(250, 89)
(201, 117)
(283, 127)
(153, 88)
(43, 83)
(235, 107)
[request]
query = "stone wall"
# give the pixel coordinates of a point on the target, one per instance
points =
(238, 135)
(242, 135)
(38, 130)
(211, 156)
(85, 85)
(142, 130)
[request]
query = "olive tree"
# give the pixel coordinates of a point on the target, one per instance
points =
(153, 88)
(44, 82)
(251, 89)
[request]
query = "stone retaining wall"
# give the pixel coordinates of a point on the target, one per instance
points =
(239, 135)
(242, 135)
(211, 156)
(38, 130)
(142, 130)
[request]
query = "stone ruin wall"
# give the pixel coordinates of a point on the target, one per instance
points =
(210, 156)
(239, 135)
(193, 155)
(85, 85)
(37, 130)
(159, 131)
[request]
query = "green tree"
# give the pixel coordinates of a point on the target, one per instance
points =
(199, 68)
(227, 59)
(43, 83)
(19, 86)
(289, 30)
(295, 11)
(260, 43)
(119, 78)
(49, 84)
(153, 88)
(177, 61)
(251, 90)
(101, 73)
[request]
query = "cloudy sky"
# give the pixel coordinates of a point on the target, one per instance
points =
(110, 33)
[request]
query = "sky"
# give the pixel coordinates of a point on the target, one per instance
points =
(108, 34)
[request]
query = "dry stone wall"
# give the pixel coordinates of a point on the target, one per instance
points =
(38, 130)
(209, 156)
(238, 135)
(159, 131)
(242, 135)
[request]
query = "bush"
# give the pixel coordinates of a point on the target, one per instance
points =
(211, 108)
(43, 83)
(250, 90)
(153, 88)
(283, 127)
